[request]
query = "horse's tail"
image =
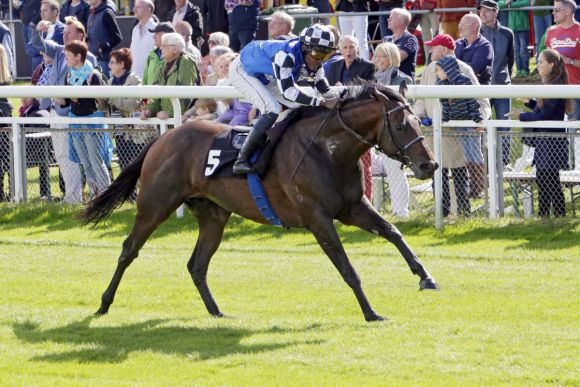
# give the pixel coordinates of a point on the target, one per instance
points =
(117, 193)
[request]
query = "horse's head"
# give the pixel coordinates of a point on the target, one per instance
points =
(399, 134)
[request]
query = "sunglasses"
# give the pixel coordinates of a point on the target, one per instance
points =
(320, 53)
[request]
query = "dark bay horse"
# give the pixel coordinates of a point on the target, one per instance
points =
(327, 184)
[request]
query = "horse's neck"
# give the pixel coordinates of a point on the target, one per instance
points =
(342, 146)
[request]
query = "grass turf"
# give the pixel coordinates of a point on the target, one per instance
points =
(507, 313)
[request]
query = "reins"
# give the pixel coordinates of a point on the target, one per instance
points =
(400, 156)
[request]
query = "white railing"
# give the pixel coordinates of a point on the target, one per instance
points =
(223, 92)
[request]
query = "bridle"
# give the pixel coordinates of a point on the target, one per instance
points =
(400, 156)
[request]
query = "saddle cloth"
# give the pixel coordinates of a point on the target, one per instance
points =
(226, 146)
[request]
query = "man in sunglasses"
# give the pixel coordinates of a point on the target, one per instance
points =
(268, 73)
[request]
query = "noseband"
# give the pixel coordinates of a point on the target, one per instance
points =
(400, 156)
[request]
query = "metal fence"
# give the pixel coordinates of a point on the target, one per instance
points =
(489, 185)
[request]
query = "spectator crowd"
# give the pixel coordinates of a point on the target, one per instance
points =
(194, 42)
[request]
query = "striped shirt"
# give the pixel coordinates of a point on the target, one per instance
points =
(142, 44)
(284, 64)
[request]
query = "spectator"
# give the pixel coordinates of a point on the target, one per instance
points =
(76, 8)
(399, 20)
(93, 150)
(30, 108)
(215, 18)
(346, 70)
(177, 68)
(474, 49)
(163, 9)
(73, 30)
(6, 42)
(243, 22)
(503, 63)
(5, 111)
(448, 73)
(335, 55)
(384, 6)
(356, 26)
(322, 6)
(387, 60)
(551, 153)
(450, 20)
(429, 23)
(453, 156)
(542, 21)
(280, 26)
(184, 29)
(120, 64)
(351, 67)
(142, 42)
(217, 51)
(186, 11)
(565, 39)
(237, 112)
(103, 33)
(154, 59)
(29, 16)
(49, 11)
(520, 25)
(203, 109)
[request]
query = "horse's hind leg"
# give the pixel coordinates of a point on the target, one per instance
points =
(325, 233)
(212, 220)
(145, 223)
(363, 215)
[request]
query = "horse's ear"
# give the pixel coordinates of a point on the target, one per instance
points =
(403, 89)
(381, 97)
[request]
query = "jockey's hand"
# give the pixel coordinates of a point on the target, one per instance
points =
(330, 103)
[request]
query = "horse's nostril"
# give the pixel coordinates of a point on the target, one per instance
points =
(429, 166)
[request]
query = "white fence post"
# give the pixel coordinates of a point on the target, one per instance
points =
(177, 122)
(492, 170)
(19, 169)
(439, 159)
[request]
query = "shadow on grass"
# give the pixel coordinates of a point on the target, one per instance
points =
(115, 344)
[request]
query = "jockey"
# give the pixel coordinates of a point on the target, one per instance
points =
(267, 73)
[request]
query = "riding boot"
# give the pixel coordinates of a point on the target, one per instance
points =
(242, 165)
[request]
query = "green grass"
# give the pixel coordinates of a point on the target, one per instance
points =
(508, 311)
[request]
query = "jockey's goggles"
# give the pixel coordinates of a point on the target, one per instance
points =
(320, 53)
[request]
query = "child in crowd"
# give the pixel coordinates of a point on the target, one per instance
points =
(203, 109)
(448, 73)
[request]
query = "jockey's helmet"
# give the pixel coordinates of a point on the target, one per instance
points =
(318, 36)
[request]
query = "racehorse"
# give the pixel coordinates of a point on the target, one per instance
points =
(313, 178)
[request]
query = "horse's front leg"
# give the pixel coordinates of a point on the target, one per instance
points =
(363, 215)
(325, 233)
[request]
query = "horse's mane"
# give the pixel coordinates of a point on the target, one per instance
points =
(358, 90)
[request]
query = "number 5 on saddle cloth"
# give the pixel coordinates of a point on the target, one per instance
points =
(224, 151)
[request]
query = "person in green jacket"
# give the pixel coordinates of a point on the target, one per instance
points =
(177, 69)
(520, 25)
(154, 59)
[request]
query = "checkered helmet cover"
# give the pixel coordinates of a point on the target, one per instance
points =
(317, 35)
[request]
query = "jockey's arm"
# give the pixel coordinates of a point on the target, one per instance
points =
(283, 66)
(321, 84)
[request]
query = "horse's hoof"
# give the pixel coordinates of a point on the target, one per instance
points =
(218, 315)
(376, 317)
(428, 284)
(102, 311)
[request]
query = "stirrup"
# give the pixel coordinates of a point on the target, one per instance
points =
(242, 167)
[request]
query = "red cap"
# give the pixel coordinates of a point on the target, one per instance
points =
(442, 40)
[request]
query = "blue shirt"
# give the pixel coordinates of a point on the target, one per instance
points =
(478, 55)
(409, 44)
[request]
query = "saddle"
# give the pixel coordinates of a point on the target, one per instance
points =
(226, 146)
